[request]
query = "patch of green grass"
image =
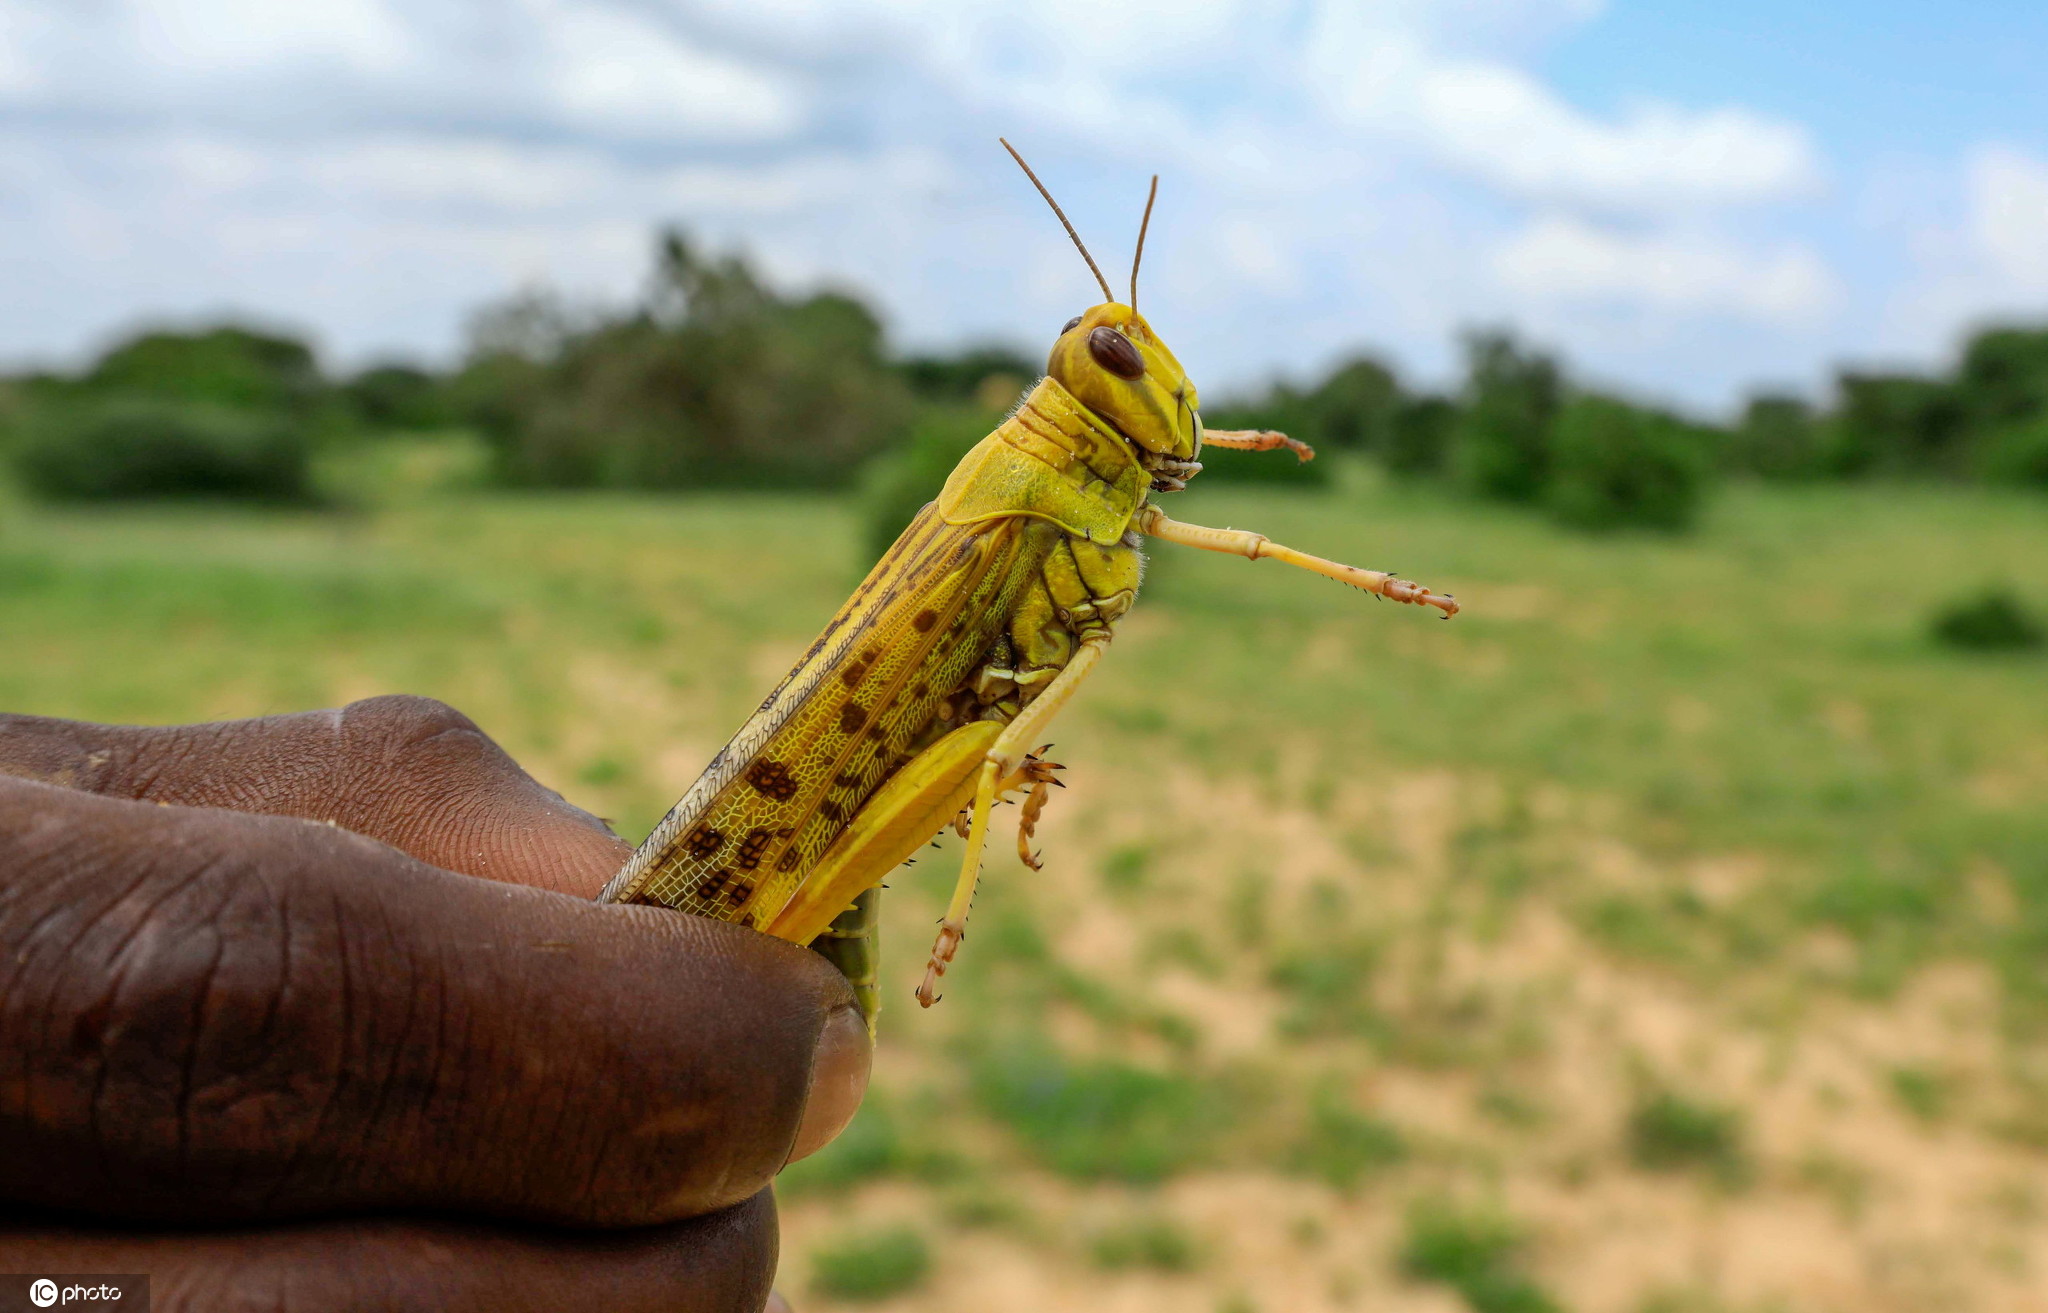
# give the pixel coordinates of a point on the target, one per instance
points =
(1342, 1146)
(1668, 1132)
(1101, 1119)
(1127, 867)
(1512, 1108)
(1155, 1241)
(1476, 1252)
(1921, 1091)
(1329, 989)
(874, 1144)
(871, 1265)
(1660, 929)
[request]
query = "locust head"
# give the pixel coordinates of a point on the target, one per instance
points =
(1113, 363)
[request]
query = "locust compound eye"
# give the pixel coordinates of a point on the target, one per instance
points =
(1069, 326)
(1114, 352)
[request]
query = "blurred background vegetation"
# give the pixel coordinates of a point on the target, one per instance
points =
(714, 379)
(1681, 905)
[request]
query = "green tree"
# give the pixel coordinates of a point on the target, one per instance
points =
(1897, 424)
(715, 380)
(1353, 408)
(1501, 443)
(968, 376)
(1778, 438)
(397, 397)
(1419, 436)
(2003, 376)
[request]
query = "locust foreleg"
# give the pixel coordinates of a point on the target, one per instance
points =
(1255, 546)
(1258, 440)
(1038, 773)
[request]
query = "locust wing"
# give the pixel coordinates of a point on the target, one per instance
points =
(858, 705)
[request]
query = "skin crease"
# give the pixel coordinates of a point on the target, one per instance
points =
(313, 1012)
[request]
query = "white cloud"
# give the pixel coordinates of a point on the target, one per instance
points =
(2008, 216)
(524, 67)
(611, 68)
(1335, 172)
(210, 36)
(1982, 255)
(1498, 124)
(1565, 259)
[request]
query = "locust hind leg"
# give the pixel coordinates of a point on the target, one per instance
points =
(853, 944)
(1004, 759)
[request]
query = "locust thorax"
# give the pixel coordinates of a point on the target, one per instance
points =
(1113, 363)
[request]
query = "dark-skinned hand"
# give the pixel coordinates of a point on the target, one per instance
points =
(315, 1013)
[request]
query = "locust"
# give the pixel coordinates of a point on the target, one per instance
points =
(917, 706)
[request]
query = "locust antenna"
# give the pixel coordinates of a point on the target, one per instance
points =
(1107, 295)
(1139, 254)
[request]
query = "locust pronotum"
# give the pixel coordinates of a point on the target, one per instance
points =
(918, 704)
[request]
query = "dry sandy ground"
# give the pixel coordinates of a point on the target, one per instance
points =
(1851, 1203)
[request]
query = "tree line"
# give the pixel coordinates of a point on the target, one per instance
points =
(715, 379)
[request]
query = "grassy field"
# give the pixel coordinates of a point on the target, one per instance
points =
(1667, 934)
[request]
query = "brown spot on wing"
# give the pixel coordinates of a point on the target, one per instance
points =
(772, 779)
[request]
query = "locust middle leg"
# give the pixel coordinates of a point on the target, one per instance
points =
(1060, 629)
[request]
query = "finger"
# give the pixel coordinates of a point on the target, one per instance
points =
(411, 772)
(716, 1264)
(211, 1016)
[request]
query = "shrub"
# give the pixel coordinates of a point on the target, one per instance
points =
(871, 1265)
(140, 448)
(1476, 1253)
(1616, 466)
(231, 367)
(1994, 620)
(1668, 1133)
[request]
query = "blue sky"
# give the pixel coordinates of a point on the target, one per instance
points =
(1688, 198)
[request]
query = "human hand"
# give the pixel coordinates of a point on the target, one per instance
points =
(263, 1037)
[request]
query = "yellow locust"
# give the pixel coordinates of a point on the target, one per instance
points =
(916, 707)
